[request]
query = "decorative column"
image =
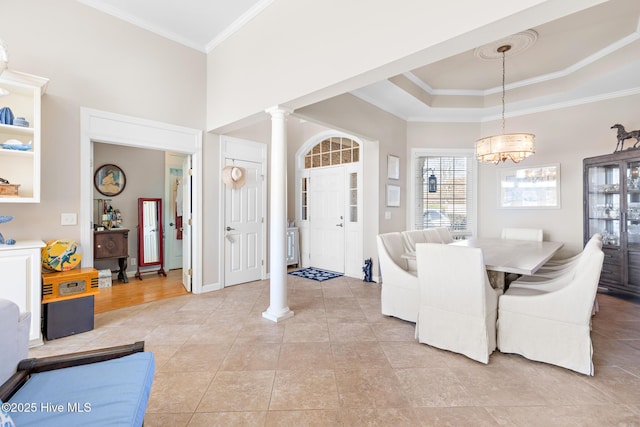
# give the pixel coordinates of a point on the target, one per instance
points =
(278, 302)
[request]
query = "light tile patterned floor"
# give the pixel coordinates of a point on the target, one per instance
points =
(338, 361)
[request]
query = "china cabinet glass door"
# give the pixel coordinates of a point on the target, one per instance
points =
(604, 203)
(633, 205)
(632, 223)
(612, 208)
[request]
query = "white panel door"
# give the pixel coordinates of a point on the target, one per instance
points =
(243, 226)
(173, 211)
(187, 215)
(326, 218)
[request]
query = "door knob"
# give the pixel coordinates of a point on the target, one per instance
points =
(171, 224)
(339, 225)
(229, 228)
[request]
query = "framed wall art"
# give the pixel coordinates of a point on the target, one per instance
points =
(109, 180)
(393, 167)
(393, 195)
(536, 187)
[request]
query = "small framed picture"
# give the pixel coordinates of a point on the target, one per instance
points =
(393, 195)
(109, 180)
(393, 167)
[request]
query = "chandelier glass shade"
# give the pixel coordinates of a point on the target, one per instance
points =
(506, 146)
(510, 146)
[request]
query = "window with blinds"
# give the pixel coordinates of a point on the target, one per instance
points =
(444, 193)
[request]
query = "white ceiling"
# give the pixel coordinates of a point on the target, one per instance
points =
(593, 54)
(199, 24)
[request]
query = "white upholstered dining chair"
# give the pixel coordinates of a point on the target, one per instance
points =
(411, 237)
(558, 263)
(445, 235)
(557, 270)
(432, 235)
(458, 306)
(399, 295)
(550, 322)
(534, 234)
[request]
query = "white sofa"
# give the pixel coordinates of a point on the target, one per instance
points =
(14, 330)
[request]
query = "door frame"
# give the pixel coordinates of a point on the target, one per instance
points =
(355, 236)
(252, 151)
(118, 129)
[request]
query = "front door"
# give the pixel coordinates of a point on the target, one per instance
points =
(326, 218)
(243, 226)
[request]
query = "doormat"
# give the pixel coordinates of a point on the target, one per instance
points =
(315, 274)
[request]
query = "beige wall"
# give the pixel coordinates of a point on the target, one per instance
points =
(97, 61)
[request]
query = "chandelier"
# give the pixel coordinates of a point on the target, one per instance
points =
(506, 146)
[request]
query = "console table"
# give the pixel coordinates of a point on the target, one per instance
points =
(113, 244)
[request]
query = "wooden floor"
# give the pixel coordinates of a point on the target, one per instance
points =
(152, 287)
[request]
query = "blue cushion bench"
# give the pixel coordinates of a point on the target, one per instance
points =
(103, 387)
(110, 393)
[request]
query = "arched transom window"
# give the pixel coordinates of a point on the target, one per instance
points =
(332, 151)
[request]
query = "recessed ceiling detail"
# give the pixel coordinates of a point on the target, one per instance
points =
(519, 42)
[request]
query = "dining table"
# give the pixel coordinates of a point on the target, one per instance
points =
(508, 256)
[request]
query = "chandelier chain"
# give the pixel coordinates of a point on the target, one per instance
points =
(503, 90)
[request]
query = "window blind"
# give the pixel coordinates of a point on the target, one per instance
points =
(451, 205)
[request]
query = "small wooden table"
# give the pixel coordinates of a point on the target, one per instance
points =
(113, 244)
(511, 256)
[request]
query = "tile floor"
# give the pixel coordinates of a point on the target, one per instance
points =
(339, 362)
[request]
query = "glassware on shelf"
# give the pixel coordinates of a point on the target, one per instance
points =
(609, 238)
(633, 233)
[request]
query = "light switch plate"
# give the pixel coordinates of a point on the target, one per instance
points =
(68, 219)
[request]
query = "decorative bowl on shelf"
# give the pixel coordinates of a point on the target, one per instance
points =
(14, 144)
(20, 121)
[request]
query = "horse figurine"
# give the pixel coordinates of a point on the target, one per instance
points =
(624, 135)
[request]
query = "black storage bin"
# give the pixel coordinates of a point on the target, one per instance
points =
(68, 317)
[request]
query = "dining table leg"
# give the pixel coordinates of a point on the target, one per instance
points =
(496, 279)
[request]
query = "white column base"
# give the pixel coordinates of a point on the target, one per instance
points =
(277, 317)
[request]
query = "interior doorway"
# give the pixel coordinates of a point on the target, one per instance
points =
(110, 128)
(243, 212)
(330, 202)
